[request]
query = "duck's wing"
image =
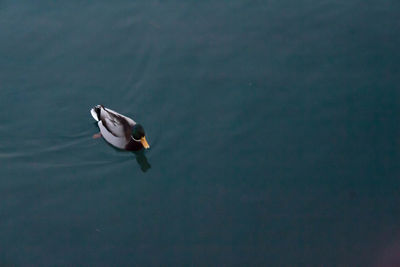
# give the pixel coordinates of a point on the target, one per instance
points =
(98, 111)
(116, 124)
(119, 142)
(129, 120)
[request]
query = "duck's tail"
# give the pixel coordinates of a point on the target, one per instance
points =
(95, 111)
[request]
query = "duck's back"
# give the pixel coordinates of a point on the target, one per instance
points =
(115, 128)
(119, 142)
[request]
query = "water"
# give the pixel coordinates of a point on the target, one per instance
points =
(273, 128)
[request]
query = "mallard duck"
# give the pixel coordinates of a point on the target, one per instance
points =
(119, 130)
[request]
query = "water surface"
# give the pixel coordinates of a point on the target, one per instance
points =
(273, 128)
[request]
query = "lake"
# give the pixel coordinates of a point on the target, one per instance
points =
(273, 128)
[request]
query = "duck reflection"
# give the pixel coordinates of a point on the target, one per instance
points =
(139, 155)
(142, 160)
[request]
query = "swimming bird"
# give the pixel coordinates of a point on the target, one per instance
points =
(119, 130)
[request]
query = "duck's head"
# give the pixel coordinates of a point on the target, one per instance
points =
(139, 135)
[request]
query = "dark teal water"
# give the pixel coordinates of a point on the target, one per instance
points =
(273, 127)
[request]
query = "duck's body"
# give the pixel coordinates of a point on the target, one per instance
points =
(118, 129)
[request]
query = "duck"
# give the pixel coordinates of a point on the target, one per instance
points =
(118, 130)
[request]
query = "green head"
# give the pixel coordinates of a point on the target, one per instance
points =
(138, 134)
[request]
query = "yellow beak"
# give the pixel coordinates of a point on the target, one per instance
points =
(144, 142)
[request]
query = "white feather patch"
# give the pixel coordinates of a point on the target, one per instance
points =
(94, 115)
